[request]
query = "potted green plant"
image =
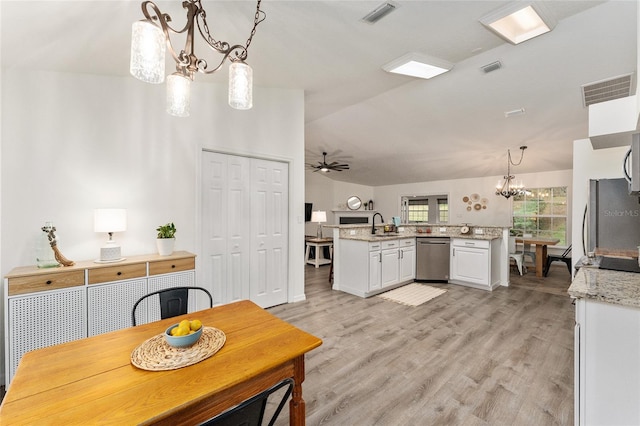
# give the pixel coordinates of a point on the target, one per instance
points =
(166, 238)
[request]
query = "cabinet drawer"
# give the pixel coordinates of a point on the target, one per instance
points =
(389, 244)
(44, 282)
(117, 273)
(374, 246)
(471, 243)
(172, 265)
(408, 242)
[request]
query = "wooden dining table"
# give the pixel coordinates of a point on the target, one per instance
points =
(541, 250)
(92, 380)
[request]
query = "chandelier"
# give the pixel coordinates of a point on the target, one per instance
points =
(151, 38)
(509, 187)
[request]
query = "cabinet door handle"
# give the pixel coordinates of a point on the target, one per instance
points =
(49, 282)
(380, 257)
(119, 273)
(173, 266)
(454, 252)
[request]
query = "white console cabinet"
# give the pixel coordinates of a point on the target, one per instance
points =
(367, 268)
(45, 307)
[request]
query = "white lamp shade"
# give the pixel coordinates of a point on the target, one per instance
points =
(319, 216)
(240, 86)
(178, 95)
(148, 47)
(110, 220)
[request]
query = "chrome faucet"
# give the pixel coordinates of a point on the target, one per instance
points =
(373, 222)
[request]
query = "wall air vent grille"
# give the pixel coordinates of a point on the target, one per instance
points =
(491, 67)
(380, 12)
(607, 90)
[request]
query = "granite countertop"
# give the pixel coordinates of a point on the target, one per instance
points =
(618, 288)
(386, 237)
(477, 237)
(379, 237)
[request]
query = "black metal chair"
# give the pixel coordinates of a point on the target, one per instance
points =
(564, 257)
(251, 412)
(174, 301)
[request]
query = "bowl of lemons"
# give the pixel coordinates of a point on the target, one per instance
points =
(184, 334)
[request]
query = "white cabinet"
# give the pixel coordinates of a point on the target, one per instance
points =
(390, 272)
(375, 268)
(368, 268)
(475, 263)
(407, 259)
(607, 367)
(45, 307)
(42, 319)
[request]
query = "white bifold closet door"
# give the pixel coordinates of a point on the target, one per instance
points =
(244, 229)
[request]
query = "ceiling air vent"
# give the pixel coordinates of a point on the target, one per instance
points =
(380, 12)
(491, 67)
(607, 90)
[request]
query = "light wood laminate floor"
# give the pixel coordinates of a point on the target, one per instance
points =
(467, 357)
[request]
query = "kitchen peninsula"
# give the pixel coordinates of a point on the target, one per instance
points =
(367, 264)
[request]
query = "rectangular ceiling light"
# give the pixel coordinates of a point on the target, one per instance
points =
(517, 22)
(418, 65)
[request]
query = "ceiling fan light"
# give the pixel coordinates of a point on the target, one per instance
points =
(240, 86)
(148, 47)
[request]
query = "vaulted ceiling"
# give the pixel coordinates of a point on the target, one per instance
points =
(390, 129)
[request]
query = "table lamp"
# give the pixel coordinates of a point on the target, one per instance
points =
(110, 221)
(320, 217)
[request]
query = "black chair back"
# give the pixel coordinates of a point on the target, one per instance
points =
(174, 301)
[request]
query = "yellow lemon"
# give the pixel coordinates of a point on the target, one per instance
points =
(185, 323)
(195, 325)
(174, 330)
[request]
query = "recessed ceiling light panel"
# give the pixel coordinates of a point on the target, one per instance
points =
(519, 21)
(418, 65)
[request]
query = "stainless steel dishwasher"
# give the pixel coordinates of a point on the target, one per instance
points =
(432, 259)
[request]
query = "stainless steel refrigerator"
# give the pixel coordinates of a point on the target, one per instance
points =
(614, 215)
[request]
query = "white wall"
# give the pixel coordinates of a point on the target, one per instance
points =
(328, 194)
(72, 143)
(590, 164)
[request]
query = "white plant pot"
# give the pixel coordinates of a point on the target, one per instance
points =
(165, 246)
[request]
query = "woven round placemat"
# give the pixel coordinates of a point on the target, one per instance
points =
(155, 354)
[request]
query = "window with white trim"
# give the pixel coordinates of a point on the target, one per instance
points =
(425, 209)
(542, 213)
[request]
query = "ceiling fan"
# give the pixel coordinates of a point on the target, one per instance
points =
(323, 166)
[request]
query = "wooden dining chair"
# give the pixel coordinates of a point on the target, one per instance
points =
(251, 412)
(173, 301)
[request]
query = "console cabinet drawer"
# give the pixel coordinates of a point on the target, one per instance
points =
(117, 273)
(45, 282)
(173, 265)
